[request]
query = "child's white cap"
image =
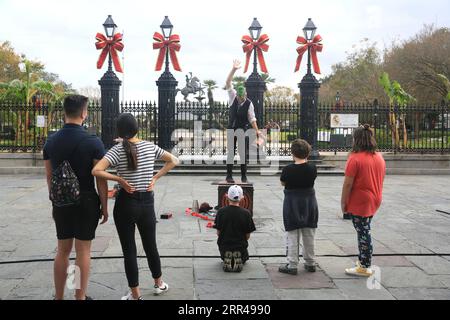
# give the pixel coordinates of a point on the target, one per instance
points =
(235, 193)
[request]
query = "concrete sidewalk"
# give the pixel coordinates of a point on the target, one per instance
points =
(407, 223)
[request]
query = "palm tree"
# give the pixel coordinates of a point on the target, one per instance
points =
(446, 82)
(399, 97)
(211, 85)
(238, 81)
(22, 91)
(267, 79)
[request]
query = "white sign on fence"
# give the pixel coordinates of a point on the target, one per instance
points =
(344, 120)
(40, 121)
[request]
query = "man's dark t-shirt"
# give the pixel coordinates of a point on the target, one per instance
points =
(299, 176)
(61, 145)
(234, 223)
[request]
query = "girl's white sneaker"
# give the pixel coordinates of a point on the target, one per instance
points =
(160, 289)
(129, 296)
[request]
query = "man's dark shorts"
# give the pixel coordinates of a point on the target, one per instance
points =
(79, 221)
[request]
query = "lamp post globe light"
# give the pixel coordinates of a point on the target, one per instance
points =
(255, 84)
(338, 97)
(167, 85)
(110, 89)
(166, 28)
(110, 27)
(309, 93)
(255, 32)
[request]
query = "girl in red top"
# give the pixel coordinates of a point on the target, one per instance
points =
(362, 193)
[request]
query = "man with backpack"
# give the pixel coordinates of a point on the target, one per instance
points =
(69, 156)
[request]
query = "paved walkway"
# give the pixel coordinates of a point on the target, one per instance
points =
(407, 223)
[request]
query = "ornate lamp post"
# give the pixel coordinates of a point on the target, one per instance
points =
(255, 85)
(109, 83)
(337, 98)
(167, 84)
(309, 91)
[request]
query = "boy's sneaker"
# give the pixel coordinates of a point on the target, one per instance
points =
(359, 271)
(129, 296)
(238, 265)
(164, 287)
(285, 269)
(227, 261)
(311, 269)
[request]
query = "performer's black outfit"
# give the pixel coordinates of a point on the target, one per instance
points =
(238, 119)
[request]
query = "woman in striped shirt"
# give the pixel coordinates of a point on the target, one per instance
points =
(134, 160)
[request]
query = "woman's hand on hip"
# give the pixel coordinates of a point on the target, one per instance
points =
(152, 184)
(128, 187)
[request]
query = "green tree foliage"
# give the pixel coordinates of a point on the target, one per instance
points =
(9, 63)
(357, 77)
(415, 63)
(21, 79)
(397, 97)
(280, 95)
(267, 79)
(211, 86)
(446, 82)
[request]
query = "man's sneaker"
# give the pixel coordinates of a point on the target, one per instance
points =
(227, 260)
(129, 296)
(160, 289)
(311, 269)
(237, 257)
(85, 298)
(285, 269)
(359, 271)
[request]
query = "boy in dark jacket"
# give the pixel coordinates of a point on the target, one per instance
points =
(234, 225)
(300, 209)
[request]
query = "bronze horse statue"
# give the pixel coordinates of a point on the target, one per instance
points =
(193, 85)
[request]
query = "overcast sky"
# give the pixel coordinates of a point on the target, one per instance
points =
(61, 34)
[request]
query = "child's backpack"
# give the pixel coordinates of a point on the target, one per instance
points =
(65, 187)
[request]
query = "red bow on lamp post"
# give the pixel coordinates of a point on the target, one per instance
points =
(109, 46)
(315, 45)
(260, 45)
(172, 44)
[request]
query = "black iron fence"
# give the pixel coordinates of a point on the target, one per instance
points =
(200, 129)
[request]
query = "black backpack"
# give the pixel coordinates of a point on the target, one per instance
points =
(65, 187)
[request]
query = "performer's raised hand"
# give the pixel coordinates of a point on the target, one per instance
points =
(236, 64)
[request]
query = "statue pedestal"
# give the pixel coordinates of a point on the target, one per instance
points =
(246, 202)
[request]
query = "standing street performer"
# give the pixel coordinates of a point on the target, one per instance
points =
(241, 118)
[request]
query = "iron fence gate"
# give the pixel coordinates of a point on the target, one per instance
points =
(200, 129)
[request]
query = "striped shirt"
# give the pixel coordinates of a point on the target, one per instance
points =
(147, 152)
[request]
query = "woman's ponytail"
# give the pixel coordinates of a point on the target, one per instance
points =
(127, 128)
(131, 152)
